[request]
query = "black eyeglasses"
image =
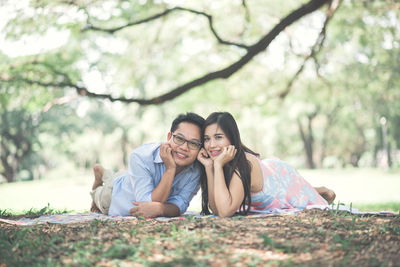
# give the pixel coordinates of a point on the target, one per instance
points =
(179, 140)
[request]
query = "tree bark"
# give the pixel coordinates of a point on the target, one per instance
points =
(8, 172)
(308, 140)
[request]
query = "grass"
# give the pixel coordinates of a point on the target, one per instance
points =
(314, 237)
(69, 192)
(358, 186)
(384, 206)
(31, 213)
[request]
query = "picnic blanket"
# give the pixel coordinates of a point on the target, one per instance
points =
(86, 217)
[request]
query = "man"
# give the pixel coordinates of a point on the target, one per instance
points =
(162, 177)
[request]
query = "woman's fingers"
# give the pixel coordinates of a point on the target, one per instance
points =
(202, 154)
(231, 150)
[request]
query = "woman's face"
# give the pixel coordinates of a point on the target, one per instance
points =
(215, 140)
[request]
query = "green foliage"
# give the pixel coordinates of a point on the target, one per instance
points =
(350, 84)
(19, 142)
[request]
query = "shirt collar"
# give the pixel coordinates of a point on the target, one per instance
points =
(157, 158)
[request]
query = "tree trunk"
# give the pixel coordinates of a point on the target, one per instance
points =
(360, 148)
(331, 116)
(308, 141)
(124, 144)
(389, 157)
(8, 171)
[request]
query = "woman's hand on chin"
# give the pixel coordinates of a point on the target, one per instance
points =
(204, 158)
(227, 154)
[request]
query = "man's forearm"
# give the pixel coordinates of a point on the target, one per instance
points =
(154, 209)
(170, 210)
(163, 189)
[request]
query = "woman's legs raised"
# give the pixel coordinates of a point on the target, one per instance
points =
(326, 193)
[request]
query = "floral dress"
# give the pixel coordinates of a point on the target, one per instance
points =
(284, 188)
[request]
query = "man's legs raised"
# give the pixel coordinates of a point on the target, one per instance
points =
(98, 181)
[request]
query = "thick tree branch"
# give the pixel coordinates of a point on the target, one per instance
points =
(224, 73)
(90, 26)
(315, 49)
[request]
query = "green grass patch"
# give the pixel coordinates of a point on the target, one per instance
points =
(282, 247)
(28, 245)
(276, 240)
(32, 212)
(385, 206)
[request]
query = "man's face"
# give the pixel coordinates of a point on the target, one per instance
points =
(183, 154)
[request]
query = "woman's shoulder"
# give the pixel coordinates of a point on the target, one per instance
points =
(257, 181)
(253, 159)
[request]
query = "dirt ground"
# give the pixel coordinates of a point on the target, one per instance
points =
(310, 238)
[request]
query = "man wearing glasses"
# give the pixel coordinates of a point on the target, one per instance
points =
(162, 177)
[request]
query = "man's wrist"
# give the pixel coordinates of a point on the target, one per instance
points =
(169, 210)
(171, 169)
(160, 209)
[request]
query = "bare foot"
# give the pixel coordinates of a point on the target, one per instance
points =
(98, 181)
(94, 208)
(98, 175)
(326, 193)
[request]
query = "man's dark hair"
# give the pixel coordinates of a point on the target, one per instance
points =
(189, 117)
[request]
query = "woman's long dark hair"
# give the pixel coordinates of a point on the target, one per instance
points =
(239, 164)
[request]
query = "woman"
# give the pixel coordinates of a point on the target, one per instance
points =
(235, 179)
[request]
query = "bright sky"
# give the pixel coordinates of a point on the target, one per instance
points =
(27, 45)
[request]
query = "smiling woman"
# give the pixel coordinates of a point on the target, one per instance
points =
(215, 140)
(235, 179)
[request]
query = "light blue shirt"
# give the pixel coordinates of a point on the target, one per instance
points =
(145, 171)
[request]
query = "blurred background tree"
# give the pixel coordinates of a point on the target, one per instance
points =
(87, 81)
